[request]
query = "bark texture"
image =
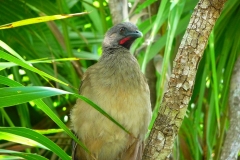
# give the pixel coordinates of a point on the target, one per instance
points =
(231, 145)
(119, 10)
(181, 83)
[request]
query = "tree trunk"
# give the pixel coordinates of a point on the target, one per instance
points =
(231, 145)
(181, 83)
(119, 10)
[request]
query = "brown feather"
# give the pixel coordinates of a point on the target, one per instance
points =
(118, 86)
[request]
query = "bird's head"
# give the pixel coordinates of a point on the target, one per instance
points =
(121, 35)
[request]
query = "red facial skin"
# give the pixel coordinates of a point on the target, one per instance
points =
(124, 40)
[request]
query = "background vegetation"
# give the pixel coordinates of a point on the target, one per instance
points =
(55, 54)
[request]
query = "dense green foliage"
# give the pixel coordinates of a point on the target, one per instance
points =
(60, 50)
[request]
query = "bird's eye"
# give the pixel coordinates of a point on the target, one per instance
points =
(122, 29)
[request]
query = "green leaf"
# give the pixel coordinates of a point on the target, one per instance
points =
(4, 65)
(11, 58)
(17, 95)
(7, 157)
(144, 5)
(46, 110)
(10, 50)
(21, 140)
(31, 134)
(39, 20)
(9, 82)
(94, 16)
(21, 155)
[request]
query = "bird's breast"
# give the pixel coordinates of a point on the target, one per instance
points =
(121, 90)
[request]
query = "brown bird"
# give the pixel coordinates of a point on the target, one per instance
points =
(118, 86)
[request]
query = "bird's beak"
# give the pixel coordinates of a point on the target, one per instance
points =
(134, 34)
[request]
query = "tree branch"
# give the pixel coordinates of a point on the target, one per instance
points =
(181, 83)
(119, 10)
(231, 145)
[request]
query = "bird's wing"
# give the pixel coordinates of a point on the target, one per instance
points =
(134, 151)
(79, 90)
(74, 148)
(74, 144)
(77, 151)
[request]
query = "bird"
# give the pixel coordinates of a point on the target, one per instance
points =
(116, 84)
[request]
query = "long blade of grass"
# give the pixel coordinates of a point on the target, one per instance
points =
(157, 24)
(16, 95)
(214, 75)
(10, 50)
(46, 110)
(17, 155)
(11, 58)
(4, 65)
(32, 135)
(39, 20)
(19, 139)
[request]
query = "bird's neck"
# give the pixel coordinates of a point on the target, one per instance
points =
(119, 67)
(118, 57)
(114, 49)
